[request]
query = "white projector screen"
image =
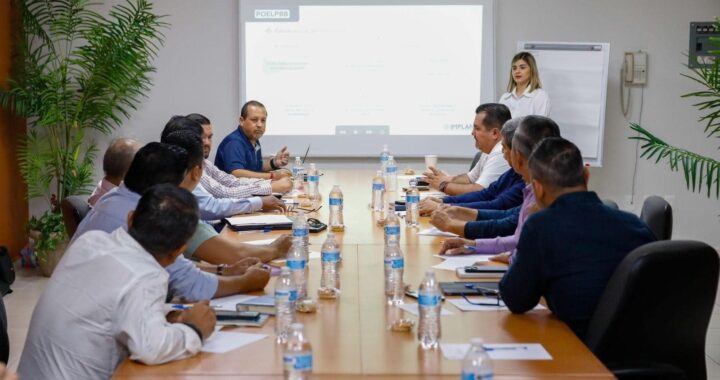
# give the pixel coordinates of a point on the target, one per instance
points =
(349, 76)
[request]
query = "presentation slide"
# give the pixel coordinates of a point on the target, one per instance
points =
(376, 71)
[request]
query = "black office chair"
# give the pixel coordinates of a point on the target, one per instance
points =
(74, 208)
(651, 321)
(610, 203)
(657, 214)
(475, 160)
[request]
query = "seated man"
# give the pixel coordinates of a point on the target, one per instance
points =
(106, 298)
(569, 249)
(212, 208)
(240, 153)
(116, 162)
(489, 119)
(503, 194)
(531, 130)
(158, 163)
(223, 185)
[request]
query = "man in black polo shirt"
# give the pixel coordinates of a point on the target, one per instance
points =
(568, 250)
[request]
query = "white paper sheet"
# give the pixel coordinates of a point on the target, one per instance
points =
(463, 305)
(413, 309)
(311, 255)
(453, 262)
(259, 242)
(435, 232)
(224, 341)
(260, 220)
(499, 351)
(229, 302)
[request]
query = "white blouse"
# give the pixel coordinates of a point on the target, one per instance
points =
(529, 103)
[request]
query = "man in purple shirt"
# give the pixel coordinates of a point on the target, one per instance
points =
(531, 131)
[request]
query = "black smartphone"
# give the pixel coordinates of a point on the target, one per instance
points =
(237, 315)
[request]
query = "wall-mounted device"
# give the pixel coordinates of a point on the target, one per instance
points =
(635, 68)
(700, 48)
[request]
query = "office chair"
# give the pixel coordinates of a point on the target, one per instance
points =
(657, 214)
(651, 321)
(475, 160)
(74, 208)
(610, 203)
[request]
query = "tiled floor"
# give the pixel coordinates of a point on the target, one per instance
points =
(29, 285)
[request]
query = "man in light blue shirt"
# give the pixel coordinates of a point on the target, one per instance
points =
(162, 163)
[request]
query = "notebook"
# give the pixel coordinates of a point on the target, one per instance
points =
(259, 222)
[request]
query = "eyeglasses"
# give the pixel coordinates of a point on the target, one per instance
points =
(485, 292)
(292, 208)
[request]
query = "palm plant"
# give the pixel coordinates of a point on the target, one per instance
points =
(700, 172)
(76, 71)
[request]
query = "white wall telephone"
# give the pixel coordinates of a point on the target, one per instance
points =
(635, 68)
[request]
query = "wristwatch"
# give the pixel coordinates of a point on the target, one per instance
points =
(221, 269)
(272, 164)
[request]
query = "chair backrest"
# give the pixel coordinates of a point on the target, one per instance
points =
(475, 160)
(657, 214)
(657, 307)
(610, 203)
(74, 208)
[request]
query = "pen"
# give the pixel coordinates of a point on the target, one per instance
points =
(505, 348)
(470, 248)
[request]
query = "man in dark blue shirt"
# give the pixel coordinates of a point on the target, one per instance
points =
(240, 153)
(568, 250)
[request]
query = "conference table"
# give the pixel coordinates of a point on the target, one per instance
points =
(350, 336)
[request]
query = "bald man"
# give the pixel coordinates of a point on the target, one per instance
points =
(116, 162)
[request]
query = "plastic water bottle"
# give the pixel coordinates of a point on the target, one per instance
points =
(378, 192)
(412, 204)
(330, 257)
(394, 268)
(285, 296)
(297, 357)
(477, 365)
(336, 209)
(391, 174)
(313, 190)
(298, 171)
(429, 302)
(392, 226)
(301, 230)
(384, 155)
(297, 264)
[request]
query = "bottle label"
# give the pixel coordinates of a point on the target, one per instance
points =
(391, 169)
(472, 376)
(301, 362)
(429, 300)
(283, 296)
(296, 264)
(392, 230)
(412, 198)
(293, 295)
(330, 256)
(384, 157)
(336, 201)
(395, 263)
(301, 232)
(378, 186)
(297, 170)
(313, 178)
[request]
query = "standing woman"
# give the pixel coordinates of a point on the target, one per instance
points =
(525, 95)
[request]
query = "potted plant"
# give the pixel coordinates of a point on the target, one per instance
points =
(75, 71)
(701, 172)
(49, 240)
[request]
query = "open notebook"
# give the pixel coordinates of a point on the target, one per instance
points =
(259, 222)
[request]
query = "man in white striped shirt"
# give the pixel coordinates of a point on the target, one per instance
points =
(223, 185)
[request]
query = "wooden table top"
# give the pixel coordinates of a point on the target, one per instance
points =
(349, 335)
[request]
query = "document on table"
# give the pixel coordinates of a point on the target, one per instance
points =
(435, 232)
(259, 242)
(413, 309)
(498, 351)
(229, 302)
(224, 341)
(311, 255)
(464, 305)
(454, 262)
(259, 220)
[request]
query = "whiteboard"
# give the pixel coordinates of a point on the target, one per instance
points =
(574, 75)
